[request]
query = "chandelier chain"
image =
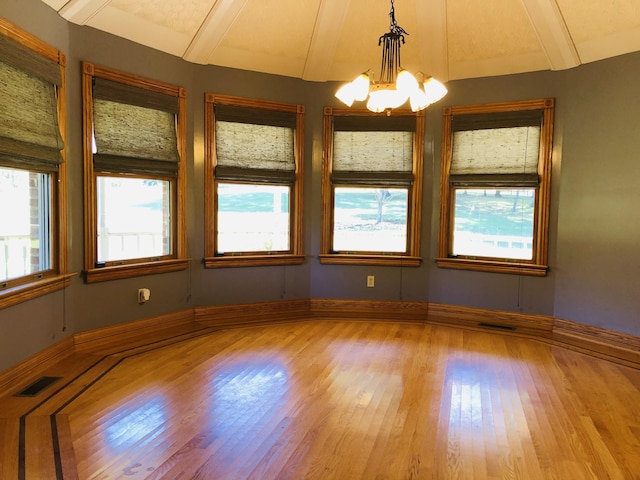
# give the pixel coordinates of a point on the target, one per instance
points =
(391, 42)
(393, 25)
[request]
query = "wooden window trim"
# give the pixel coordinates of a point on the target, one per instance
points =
(414, 215)
(34, 289)
(179, 235)
(57, 278)
(296, 256)
(538, 266)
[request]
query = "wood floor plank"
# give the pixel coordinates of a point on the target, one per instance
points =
(9, 450)
(327, 399)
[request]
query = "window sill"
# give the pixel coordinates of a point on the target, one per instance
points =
(22, 293)
(104, 274)
(363, 259)
(493, 266)
(252, 260)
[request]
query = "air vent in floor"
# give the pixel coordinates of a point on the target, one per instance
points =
(497, 326)
(37, 387)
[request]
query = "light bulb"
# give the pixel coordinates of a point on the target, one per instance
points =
(434, 89)
(385, 98)
(346, 94)
(361, 87)
(418, 100)
(406, 82)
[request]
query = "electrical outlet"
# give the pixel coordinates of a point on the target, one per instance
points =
(144, 294)
(371, 281)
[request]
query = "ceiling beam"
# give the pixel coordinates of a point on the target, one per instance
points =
(81, 11)
(431, 18)
(551, 29)
(324, 40)
(215, 26)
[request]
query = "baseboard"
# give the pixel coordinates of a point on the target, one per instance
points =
(244, 314)
(369, 310)
(130, 333)
(598, 342)
(24, 370)
(538, 326)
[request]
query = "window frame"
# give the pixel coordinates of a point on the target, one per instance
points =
(177, 260)
(172, 208)
(412, 257)
(538, 265)
(14, 291)
(295, 255)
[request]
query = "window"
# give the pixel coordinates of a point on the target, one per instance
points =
(134, 150)
(496, 168)
(372, 187)
(33, 240)
(253, 211)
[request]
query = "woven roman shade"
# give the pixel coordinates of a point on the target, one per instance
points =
(497, 150)
(134, 130)
(23, 58)
(29, 131)
(254, 144)
(370, 150)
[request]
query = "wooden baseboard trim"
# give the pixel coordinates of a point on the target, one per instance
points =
(24, 370)
(537, 326)
(598, 342)
(263, 313)
(129, 333)
(369, 310)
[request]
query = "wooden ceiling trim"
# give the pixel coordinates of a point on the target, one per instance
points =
(551, 29)
(213, 30)
(81, 11)
(324, 40)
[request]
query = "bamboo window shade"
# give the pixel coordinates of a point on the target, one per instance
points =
(373, 150)
(496, 149)
(134, 129)
(29, 131)
(254, 144)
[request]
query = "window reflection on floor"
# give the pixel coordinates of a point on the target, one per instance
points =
(366, 367)
(475, 394)
(466, 398)
(135, 425)
(247, 387)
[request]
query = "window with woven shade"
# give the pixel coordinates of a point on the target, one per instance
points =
(253, 185)
(372, 184)
(495, 187)
(134, 145)
(33, 241)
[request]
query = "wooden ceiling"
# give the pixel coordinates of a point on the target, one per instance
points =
(321, 40)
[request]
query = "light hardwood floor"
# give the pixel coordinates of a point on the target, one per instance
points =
(327, 400)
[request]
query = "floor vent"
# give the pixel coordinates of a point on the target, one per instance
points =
(37, 387)
(497, 326)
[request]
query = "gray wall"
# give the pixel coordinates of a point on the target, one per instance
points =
(595, 267)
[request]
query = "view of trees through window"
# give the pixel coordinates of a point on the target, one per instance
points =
(370, 219)
(25, 226)
(253, 218)
(133, 218)
(494, 222)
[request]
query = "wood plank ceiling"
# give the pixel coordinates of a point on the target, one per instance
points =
(321, 40)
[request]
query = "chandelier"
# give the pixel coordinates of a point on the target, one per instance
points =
(395, 85)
